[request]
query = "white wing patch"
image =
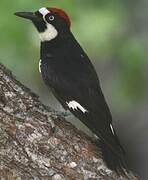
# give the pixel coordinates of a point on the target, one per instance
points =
(112, 129)
(44, 11)
(75, 106)
(40, 65)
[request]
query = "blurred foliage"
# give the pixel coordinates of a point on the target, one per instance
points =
(104, 28)
(115, 36)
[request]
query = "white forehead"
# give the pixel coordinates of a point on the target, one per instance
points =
(44, 11)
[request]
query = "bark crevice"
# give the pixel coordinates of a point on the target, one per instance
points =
(30, 149)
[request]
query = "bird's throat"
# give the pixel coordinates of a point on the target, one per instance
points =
(49, 33)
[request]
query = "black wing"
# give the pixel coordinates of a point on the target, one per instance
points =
(72, 78)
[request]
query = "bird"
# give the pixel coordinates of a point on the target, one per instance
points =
(67, 70)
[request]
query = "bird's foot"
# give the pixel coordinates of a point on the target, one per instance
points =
(66, 113)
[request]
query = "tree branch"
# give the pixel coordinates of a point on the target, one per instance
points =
(30, 149)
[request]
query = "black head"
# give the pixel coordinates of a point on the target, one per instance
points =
(50, 22)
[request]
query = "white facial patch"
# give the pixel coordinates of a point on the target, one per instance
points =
(44, 11)
(75, 106)
(49, 34)
(40, 65)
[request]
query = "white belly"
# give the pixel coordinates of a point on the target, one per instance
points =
(40, 65)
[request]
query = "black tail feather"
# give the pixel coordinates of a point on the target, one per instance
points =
(114, 161)
(113, 153)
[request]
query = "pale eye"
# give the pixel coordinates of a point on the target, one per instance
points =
(51, 18)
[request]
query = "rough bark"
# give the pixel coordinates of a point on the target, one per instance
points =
(30, 148)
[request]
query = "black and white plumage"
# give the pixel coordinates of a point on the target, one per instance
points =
(67, 70)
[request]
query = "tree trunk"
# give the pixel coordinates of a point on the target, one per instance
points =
(37, 143)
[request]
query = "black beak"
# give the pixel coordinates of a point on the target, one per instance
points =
(26, 15)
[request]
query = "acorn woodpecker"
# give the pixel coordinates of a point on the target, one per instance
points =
(67, 70)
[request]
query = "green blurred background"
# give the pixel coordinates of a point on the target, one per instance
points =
(115, 36)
